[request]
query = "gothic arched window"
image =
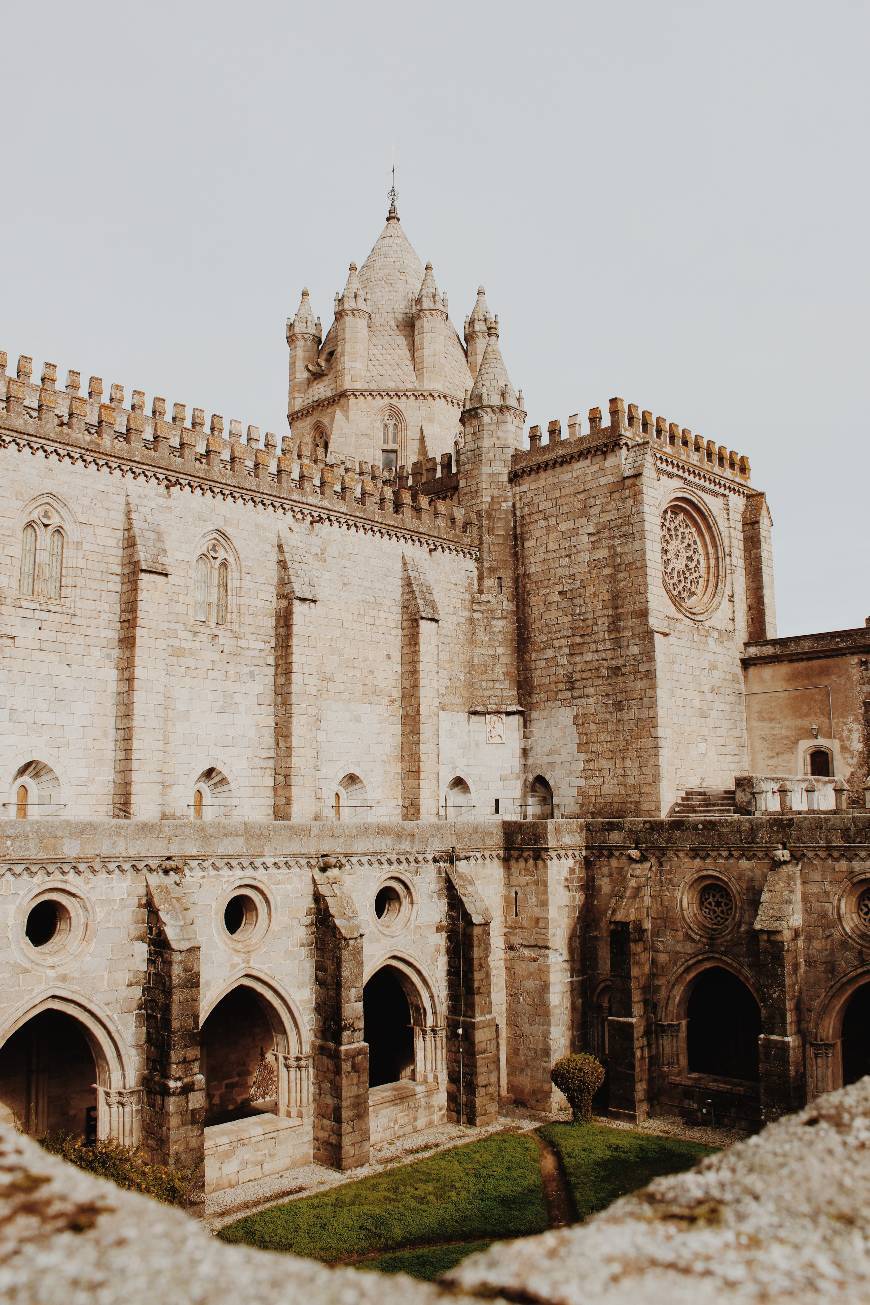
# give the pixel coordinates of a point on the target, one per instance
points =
(43, 545)
(213, 587)
(391, 439)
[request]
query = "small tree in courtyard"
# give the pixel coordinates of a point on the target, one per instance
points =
(578, 1078)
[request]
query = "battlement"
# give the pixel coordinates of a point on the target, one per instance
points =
(219, 453)
(628, 423)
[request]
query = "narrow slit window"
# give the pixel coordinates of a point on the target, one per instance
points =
(223, 593)
(27, 581)
(203, 574)
(54, 586)
(21, 802)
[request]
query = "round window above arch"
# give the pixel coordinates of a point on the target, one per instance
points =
(693, 559)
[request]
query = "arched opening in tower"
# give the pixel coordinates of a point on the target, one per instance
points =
(856, 1035)
(723, 1026)
(388, 1028)
(48, 1078)
(239, 1059)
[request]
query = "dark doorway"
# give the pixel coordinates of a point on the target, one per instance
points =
(388, 1031)
(48, 1077)
(723, 1027)
(237, 1047)
(856, 1036)
(820, 763)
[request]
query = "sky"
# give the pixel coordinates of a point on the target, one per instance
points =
(665, 201)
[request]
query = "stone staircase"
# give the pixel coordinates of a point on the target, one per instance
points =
(705, 802)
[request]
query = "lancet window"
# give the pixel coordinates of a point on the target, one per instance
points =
(213, 584)
(43, 545)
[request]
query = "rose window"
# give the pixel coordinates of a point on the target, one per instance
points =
(716, 905)
(862, 908)
(691, 569)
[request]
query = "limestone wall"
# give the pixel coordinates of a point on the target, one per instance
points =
(127, 696)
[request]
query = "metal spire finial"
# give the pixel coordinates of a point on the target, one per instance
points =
(393, 195)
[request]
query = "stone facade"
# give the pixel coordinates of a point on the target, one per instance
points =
(342, 799)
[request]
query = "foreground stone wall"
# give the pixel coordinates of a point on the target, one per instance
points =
(780, 1218)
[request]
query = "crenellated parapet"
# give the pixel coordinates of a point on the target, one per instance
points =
(627, 424)
(214, 456)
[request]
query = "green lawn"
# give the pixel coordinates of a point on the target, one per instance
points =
(480, 1192)
(602, 1163)
(423, 1218)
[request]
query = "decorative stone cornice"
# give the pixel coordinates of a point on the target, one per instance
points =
(276, 489)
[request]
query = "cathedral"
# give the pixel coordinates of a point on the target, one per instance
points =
(353, 774)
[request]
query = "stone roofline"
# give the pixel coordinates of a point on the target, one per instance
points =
(227, 464)
(808, 647)
(628, 425)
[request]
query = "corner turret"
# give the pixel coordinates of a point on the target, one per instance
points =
(304, 335)
(430, 327)
(492, 422)
(351, 332)
(476, 332)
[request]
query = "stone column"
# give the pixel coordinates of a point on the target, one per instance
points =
(778, 925)
(420, 705)
(297, 686)
(174, 1090)
(628, 1036)
(341, 1056)
(472, 1032)
(541, 908)
(119, 1115)
(142, 670)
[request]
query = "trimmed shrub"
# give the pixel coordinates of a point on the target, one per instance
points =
(578, 1078)
(129, 1167)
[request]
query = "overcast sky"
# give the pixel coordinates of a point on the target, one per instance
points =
(665, 201)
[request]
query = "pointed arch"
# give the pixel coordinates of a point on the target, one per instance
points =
(48, 530)
(216, 579)
(34, 791)
(393, 437)
(111, 1055)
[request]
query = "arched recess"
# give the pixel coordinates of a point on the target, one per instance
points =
(402, 1024)
(253, 1052)
(539, 802)
(34, 792)
(51, 1093)
(212, 795)
(350, 800)
(840, 1050)
(458, 803)
(725, 1008)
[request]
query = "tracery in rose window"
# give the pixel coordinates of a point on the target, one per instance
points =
(684, 563)
(716, 905)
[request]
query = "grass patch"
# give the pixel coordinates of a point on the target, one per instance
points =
(486, 1190)
(427, 1263)
(602, 1163)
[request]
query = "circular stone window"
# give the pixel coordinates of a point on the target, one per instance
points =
(710, 906)
(393, 905)
(692, 567)
(245, 914)
(52, 925)
(853, 910)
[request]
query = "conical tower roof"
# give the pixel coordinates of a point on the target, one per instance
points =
(391, 278)
(492, 384)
